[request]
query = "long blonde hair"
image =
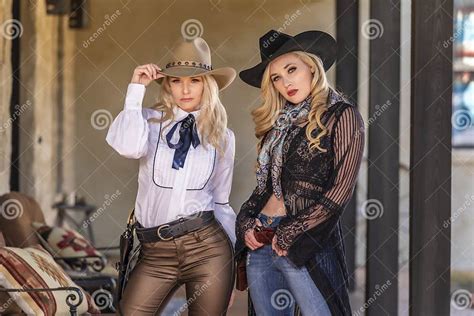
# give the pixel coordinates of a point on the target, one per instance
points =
(266, 114)
(212, 120)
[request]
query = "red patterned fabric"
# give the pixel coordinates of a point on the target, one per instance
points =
(65, 242)
(31, 268)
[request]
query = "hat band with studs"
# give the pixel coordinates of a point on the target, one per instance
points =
(189, 64)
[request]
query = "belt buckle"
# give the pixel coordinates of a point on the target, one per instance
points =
(269, 220)
(158, 231)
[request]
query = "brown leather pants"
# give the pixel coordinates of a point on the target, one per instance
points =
(202, 260)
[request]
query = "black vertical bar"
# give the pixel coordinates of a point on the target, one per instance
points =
(15, 105)
(381, 208)
(347, 36)
(430, 159)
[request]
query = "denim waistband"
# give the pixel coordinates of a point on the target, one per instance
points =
(269, 221)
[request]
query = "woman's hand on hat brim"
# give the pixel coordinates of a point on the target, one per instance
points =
(144, 74)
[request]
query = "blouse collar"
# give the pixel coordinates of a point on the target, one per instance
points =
(180, 114)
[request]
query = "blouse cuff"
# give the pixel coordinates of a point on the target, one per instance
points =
(135, 95)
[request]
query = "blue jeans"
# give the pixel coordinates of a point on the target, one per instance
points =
(275, 283)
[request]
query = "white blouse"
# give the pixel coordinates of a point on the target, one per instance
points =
(166, 194)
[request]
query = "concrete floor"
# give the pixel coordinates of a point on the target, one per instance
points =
(239, 306)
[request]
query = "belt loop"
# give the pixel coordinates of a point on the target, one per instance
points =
(196, 236)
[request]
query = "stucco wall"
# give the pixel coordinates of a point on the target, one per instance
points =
(46, 60)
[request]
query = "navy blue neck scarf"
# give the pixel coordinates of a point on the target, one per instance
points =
(187, 135)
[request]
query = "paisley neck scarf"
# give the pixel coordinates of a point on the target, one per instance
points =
(270, 158)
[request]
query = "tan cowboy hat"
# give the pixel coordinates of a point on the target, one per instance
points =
(193, 58)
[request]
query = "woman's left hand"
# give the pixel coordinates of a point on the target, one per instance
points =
(277, 249)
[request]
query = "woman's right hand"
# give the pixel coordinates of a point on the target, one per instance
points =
(250, 240)
(145, 74)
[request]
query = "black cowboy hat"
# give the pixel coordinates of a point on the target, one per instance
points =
(274, 44)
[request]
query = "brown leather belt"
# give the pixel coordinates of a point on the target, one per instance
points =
(174, 229)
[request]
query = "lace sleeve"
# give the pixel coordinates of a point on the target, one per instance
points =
(247, 216)
(348, 144)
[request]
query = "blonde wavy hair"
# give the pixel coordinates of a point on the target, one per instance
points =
(266, 114)
(212, 120)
